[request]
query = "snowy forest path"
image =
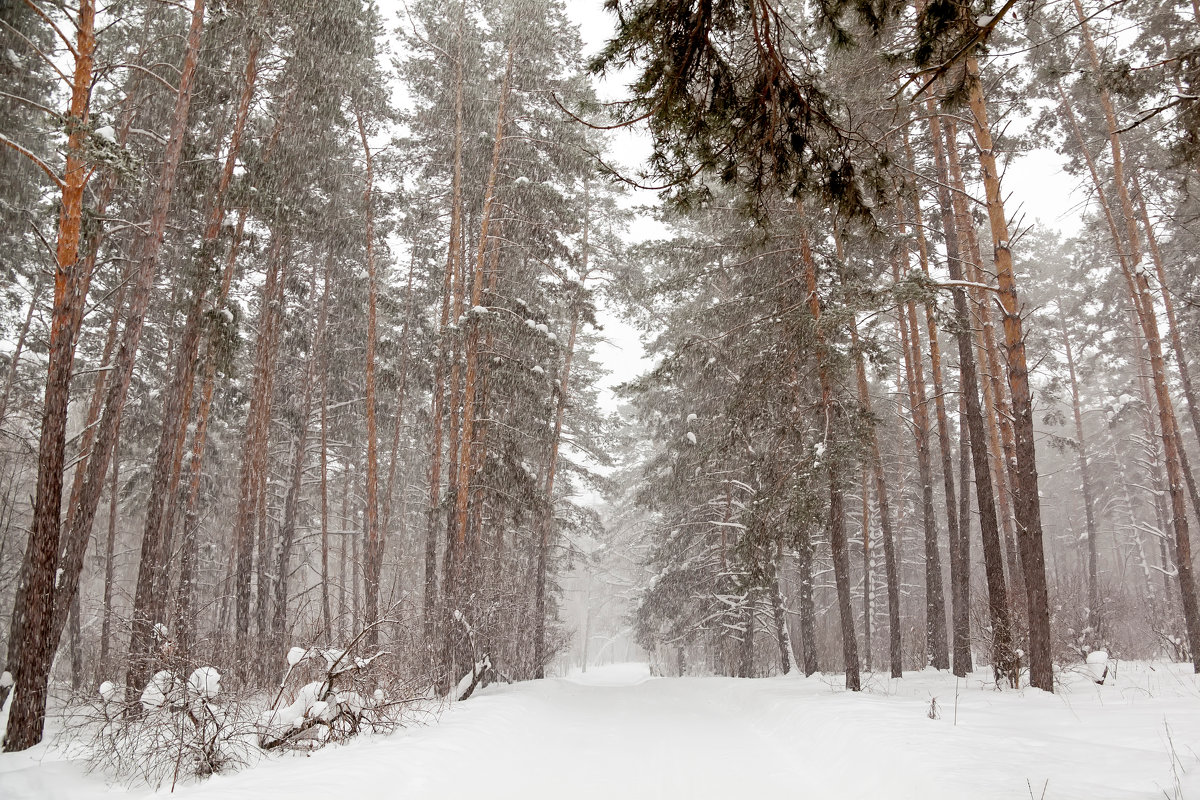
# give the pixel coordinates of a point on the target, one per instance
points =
(616, 732)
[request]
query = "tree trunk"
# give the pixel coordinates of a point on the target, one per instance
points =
(373, 565)
(439, 379)
(868, 587)
(1094, 619)
(31, 643)
(467, 441)
(935, 598)
(891, 571)
(837, 529)
(996, 412)
(936, 647)
(254, 448)
(1027, 502)
(777, 614)
(149, 246)
(959, 598)
(1004, 659)
(150, 598)
(102, 665)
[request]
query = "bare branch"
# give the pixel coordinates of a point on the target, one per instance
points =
(150, 73)
(54, 26)
(38, 51)
(32, 157)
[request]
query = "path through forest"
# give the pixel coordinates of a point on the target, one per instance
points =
(615, 732)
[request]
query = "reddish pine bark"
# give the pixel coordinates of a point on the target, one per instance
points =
(31, 643)
(1004, 659)
(1027, 503)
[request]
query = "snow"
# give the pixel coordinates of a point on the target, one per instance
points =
(296, 655)
(106, 133)
(6, 679)
(617, 732)
(691, 437)
(156, 691)
(205, 683)
(107, 690)
(305, 699)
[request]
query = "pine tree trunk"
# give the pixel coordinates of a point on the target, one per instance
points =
(148, 248)
(960, 598)
(326, 616)
(868, 586)
(1004, 659)
(777, 614)
(1181, 361)
(960, 608)
(398, 427)
(560, 410)
(995, 407)
(891, 571)
(102, 666)
(936, 647)
(373, 565)
(1027, 502)
(254, 449)
(31, 643)
(439, 381)
(808, 613)
(150, 598)
(1081, 451)
(467, 442)
(837, 524)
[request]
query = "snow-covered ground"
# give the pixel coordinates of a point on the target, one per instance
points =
(615, 732)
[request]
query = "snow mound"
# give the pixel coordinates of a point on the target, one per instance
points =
(204, 683)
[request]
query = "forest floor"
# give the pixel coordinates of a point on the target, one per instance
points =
(616, 732)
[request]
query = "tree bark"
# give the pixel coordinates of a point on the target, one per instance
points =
(254, 448)
(1004, 659)
(1027, 503)
(891, 571)
(150, 597)
(31, 643)
(837, 529)
(373, 565)
(1094, 619)
(936, 647)
(439, 380)
(467, 441)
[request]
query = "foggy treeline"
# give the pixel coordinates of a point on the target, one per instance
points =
(302, 346)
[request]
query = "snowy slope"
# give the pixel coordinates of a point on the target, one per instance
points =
(617, 733)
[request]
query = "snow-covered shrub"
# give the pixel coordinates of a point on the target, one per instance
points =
(174, 729)
(332, 694)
